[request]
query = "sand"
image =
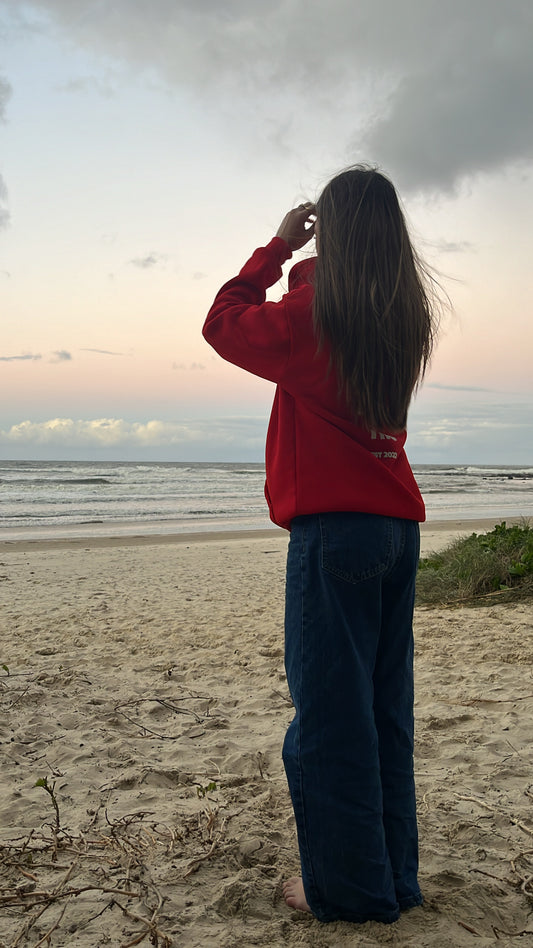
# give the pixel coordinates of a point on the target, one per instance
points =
(144, 680)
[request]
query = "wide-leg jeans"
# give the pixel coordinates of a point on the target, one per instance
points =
(348, 753)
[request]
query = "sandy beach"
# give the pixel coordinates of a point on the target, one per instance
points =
(142, 682)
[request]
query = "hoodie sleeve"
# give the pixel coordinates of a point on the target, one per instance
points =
(242, 326)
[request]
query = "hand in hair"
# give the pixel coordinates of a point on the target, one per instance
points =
(298, 226)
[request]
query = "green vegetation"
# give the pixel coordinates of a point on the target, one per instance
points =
(479, 568)
(43, 782)
(203, 791)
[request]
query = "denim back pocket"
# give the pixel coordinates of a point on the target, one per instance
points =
(356, 546)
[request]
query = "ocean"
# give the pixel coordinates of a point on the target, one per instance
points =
(71, 498)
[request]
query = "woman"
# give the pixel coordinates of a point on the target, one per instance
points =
(346, 346)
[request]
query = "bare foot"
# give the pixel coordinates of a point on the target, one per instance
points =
(294, 895)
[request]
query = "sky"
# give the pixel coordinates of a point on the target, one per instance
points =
(148, 147)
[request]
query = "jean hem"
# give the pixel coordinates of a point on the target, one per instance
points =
(355, 918)
(411, 901)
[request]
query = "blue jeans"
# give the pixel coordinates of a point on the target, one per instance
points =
(348, 753)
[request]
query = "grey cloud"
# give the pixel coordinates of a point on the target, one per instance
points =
(106, 352)
(458, 388)
(21, 358)
(434, 91)
(453, 246)
(192, 367)
(61, 355)
(469, 111)
(146, 263)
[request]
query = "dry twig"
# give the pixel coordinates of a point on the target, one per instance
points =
(493, 809)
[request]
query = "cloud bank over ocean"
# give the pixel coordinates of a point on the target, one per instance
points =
(114, 437)
(437, 434)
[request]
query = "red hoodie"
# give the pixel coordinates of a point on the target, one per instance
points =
(317, 458)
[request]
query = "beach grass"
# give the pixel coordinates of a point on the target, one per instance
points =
(479, 568)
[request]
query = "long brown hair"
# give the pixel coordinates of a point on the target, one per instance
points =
(373, 301)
